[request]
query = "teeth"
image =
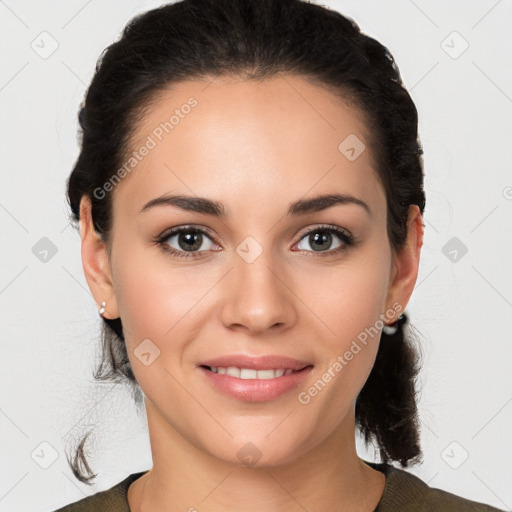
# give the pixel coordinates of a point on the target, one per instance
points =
(232, 371)
(248, 373)
(252, 374)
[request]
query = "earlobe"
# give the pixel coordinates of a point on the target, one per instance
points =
(406, 262)
(95, 262)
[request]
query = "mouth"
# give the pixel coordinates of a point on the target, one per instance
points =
(253, 373)
(255, 380)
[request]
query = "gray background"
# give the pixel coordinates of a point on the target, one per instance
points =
(461, 307)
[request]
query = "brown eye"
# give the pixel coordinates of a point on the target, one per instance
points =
(321, 239)
(186, 242)
(190, 241)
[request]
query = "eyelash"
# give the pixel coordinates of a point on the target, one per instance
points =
(348, 240)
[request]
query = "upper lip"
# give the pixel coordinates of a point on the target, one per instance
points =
(267, 362)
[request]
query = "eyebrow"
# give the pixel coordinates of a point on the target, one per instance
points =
(217, 209)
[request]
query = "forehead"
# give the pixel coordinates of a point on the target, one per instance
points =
(265, 140)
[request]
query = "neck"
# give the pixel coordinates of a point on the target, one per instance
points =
(329, 476)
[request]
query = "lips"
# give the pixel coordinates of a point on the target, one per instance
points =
(242, 379)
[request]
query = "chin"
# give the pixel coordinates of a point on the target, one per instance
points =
(258, 451)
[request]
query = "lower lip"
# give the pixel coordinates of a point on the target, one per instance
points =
(256, 390)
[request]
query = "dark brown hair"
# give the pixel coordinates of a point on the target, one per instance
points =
(256, 39)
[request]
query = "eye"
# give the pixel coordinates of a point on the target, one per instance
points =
(186, 241)
(320, 240)
(191, 242)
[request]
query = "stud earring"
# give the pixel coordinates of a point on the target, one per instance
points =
(392, 329)
(101, 310)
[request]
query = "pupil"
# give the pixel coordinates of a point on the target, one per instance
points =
(316, 239)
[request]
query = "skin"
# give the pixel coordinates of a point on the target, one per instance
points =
(256, 147)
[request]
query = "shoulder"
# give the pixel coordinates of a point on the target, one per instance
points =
(109, 500)
(404, 491)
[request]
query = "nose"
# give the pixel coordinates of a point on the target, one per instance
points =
(257, 297)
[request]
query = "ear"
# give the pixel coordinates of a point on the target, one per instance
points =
(95, 261)
(406, 262)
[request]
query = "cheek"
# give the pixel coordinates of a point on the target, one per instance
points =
(165, 302)
(348, 298)
(350, 301)
(139, 299)
(153, 298)
(160, 303)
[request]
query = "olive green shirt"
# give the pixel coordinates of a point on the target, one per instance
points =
(403, 492)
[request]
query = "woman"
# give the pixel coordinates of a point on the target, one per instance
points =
(250, 198)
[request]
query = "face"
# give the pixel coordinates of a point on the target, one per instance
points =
(263, 271)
